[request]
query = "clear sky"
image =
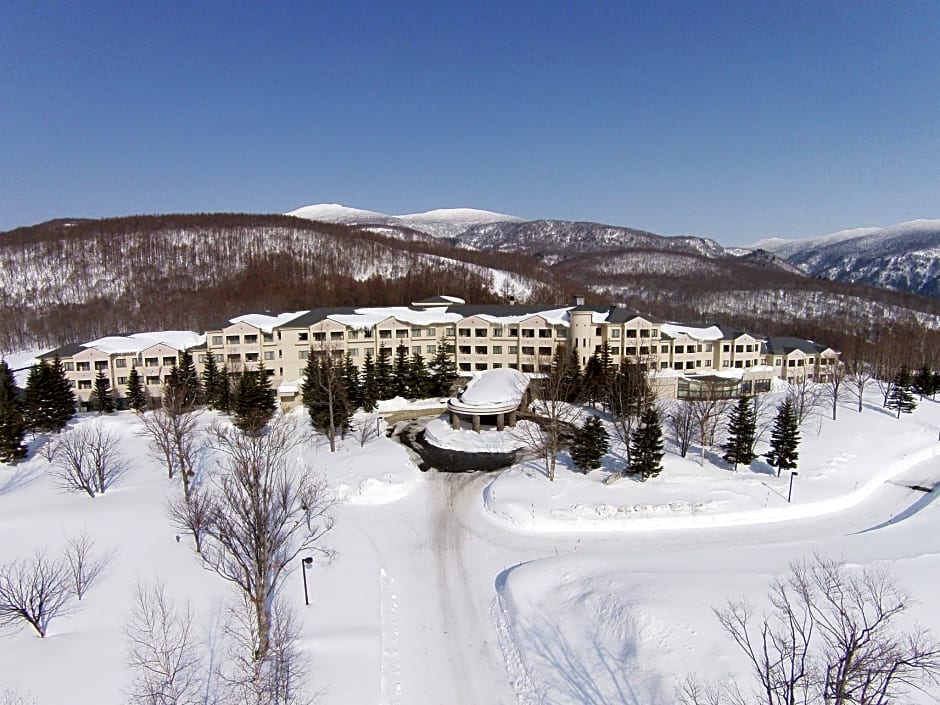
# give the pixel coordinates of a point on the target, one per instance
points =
(733, 120)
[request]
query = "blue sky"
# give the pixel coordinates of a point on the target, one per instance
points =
(730, 120)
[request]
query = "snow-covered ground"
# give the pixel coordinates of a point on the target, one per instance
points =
(502, 588)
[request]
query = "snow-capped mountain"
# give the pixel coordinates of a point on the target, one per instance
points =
(441, 223)
(904, 257)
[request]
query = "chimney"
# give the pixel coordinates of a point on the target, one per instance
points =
(577, 301)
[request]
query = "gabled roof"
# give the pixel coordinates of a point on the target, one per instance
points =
(784, 345)
(315, 315)
(64, 351)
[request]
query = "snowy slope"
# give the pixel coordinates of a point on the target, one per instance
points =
(442, 222)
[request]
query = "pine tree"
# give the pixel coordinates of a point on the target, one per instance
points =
(351, 383)
(742, 427)
(593, 379)
(589, 445)
(443, 370)
(934, 384)
(184, 380)
(566, 370)
(222, 394)
(419, 379)
(400, 373)
(50, 402)
(324, 395)
(136, 394)
(901, 398)
(646, 446)
(784, 439)
(384, 388)
(12, 418)
(210, 382)
(101, 399)
(254, 402)
(369, 386)
(35, 397)
(922, 383)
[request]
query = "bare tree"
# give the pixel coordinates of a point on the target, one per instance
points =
(365, 428)
(173, 432)
(14, 696)
(682, 423)
(87, 459)
(834, 388)
(628, 395)
(708, 407)
(85, 565)
(191, 515)
(806, 398)
(34, 590)
(829, 638)
(163, 654)
(860, 375)
(277, 678)
(264, 511)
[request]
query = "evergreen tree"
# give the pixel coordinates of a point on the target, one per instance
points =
(443, 370)
(400, 373)
(901, 398)
(589, 445)
(35, 397)
(419, 379)
(922, 383)
(384, 388)
(62, 402)
(254, 402)
(369, 393)
(184, 380)
(646, 446)
(101, 399)
(934, 384)
(12, 418)
(136, 394)
(593, 379)
(222, 394)
(566, 370)
(742, 428)
(210, 382)
(351, 383)
(50, 402)
(324, 395)
(784, 439)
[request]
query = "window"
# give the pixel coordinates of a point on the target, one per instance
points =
(251, 339)
(430, 349)
(415, 349)
(497, 331)
(480, 366)
(738, 364)
(151, 362)
(631, 333)
(513, 349)
(232, 340)
(528, 368)
(121, 362)
(415, 332)
(464, 332)
(430, 332)
(464, 349)
(352, 334)
(303, 354)
(631, 350)
(561, 332)
(268, 354)
(644, 333)
(235, 359)
(449, 332)
(664, 365)
(464, 366)
(513, 331)
(679, 349)
(739, 348)
(726, 347)
(169, 361)
(267, 337)
(644, 350)
(497, 349)
(528, 350)
(83, 366)
(497, 364)
(480, 350)
(480, 332)
(101, 365)
(319, 337)
(725, 363)
(544, 333)
(528, 333)
(216, 339)
(708, 347)
(303, 337)
(401, 334)
(615, 333)
(615, 350)
(122, 380)
(218, 357)
(354, 352)
(152, 380)
(385, 334)
(84, 384)
(68, 366)
(545, 350)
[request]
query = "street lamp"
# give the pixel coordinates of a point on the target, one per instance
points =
(307, 563)
(790, 493)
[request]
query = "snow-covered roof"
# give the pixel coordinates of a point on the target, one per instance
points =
(491, 392)
(266, 322)
(138, 342)
(368, 317)
(674, 330)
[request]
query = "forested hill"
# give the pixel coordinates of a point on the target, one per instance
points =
(68, 280)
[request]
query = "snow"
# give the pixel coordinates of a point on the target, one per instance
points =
(494, 388)
(266, 322)
(439, 433)
(335, 213)
(504, 587)
(138, 342)
(676, 329)
(369, 317)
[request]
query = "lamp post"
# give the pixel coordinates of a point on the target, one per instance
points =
(307, 562)
(790, 493)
